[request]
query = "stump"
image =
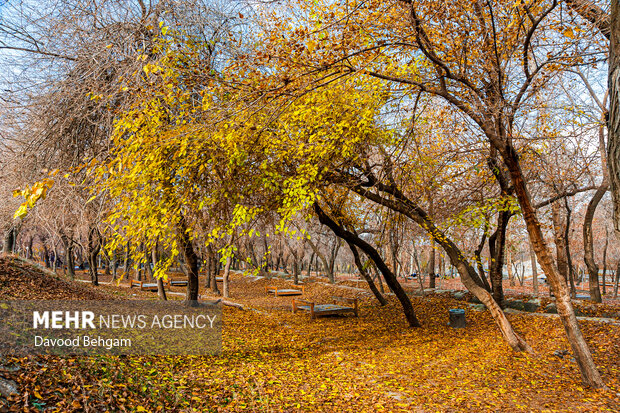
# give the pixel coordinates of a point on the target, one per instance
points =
(457, 318)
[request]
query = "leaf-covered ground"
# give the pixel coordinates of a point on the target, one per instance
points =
(276, 361)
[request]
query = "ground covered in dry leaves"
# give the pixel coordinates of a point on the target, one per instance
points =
(276, 361)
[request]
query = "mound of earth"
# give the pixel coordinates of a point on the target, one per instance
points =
(21, 280)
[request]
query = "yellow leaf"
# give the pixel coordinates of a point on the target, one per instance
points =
(568, 32)
(311, 45)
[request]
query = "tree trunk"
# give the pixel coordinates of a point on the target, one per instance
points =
(497, 247)
(114, 264)
(364, 274)
(126, 261)
(9, 241)
(94, 246)
(29, 247)
(68, 246)
(226, 291)
(617, 279)
(511, 276)
(215, 271)
(613, 124)
(295, 271)
(605, 263)
(310, 264)
(431, 265)
(191, 263)
(46, 256)
(569, 260)
(478, 258)
(560, 248)
(588, 245)
(534, 270)
(321, 256)
(587, 368)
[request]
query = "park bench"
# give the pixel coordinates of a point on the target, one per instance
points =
(280, 292)
(142, 285)
(317, 310)
(176, 283)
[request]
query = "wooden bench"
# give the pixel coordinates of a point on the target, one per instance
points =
(281, 292)
(317, 310)
(142, 285)
(176, 283)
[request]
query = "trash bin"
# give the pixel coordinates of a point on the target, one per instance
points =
(457, 318)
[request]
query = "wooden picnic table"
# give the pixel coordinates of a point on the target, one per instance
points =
(318, 310)
(281, 292)
(143, 286)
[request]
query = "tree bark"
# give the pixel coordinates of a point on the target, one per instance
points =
(431, 265)
(613, 123)
(569, 260)
(364, 274)
(94, 246)
(9, 240)
(497, 247)
(226, 288)
(588, 244)
(191, 263)
(68, 246)
(560, 248)
(605, 263)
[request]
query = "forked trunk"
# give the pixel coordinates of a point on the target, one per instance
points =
(364, 273)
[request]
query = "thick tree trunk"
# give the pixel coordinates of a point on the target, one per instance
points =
(295, 271)
(8, 246)
(68, 246)
(226, 288)
(29, 247)
(587, 368)
(364, 274)
(569, 260)
(94, 246)
(431, 265)
(613, 124)
(191, 263)
(478, 257)
(310, 264)
(588, 244)
(371, 252)
(46, 256)
(497, 247)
